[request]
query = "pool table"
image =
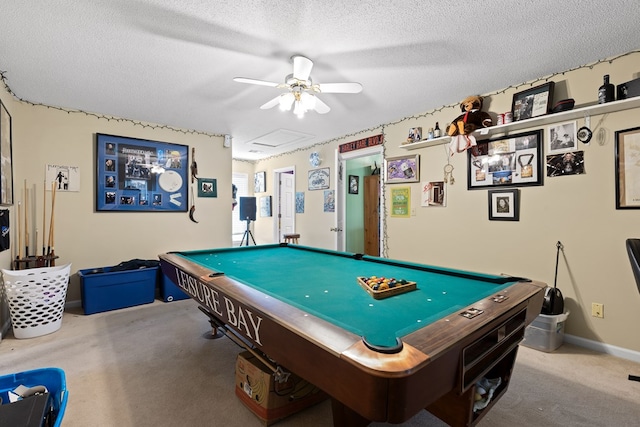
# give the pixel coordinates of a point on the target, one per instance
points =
(379, 359)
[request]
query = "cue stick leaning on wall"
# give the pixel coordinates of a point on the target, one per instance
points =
(44, 213)
(50, 249)
(26, 219)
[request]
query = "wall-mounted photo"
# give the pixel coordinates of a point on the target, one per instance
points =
(300, 202)
(415, 134)
(403, 169)
(627, 153)
(571, 163)
(562, 137)
(507, 161)
(532, 102)
(260, 182)
(504, 205)
(137, 175)
(329, 201)
(433, 194)
(265, 206)
(207, 187)
(6, 158)
(67, 178)
(354, 184)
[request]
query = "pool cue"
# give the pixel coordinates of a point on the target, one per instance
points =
(44, 212)
(51, 249)
(26, 219)
(19, 254)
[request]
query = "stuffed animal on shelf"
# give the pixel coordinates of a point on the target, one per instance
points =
(465, 124)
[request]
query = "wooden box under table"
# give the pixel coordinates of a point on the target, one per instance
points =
(386, 293)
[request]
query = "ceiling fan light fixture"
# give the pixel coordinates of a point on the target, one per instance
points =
(286, 101)
(298, 109)
(302, 91)
(308, 101)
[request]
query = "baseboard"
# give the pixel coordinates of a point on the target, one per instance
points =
(73, 304)
(601, 347)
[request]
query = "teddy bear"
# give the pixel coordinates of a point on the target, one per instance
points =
(465, 124)
(471, 118)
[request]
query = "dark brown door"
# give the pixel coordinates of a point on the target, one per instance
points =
(372, 215)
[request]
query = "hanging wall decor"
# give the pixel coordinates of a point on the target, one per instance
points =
(6, 158)
(627, 153)
(140, 175)
(507, 161)
(207, 187)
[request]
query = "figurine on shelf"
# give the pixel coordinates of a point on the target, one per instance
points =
(465, 124)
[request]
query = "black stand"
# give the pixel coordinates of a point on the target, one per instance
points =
(247, 234)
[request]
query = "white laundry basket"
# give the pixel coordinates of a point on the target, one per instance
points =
(36, 298)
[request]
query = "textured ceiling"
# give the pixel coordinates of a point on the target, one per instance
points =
(172, 62)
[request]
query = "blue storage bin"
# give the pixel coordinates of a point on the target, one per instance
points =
(103, 289)
(170, 291)
(52, 378)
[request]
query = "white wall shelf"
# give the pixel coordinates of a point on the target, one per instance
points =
(583, 112)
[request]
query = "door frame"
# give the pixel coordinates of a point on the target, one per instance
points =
(276, 200)
(341, 198)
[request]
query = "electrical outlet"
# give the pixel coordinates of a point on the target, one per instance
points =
(597, 310)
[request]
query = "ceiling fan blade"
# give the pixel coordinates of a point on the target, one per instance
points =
(255, 82)
(302, 67)
(321, 107)
(339, 87)
(270, 104)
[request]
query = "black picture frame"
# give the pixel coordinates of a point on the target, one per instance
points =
(354, 184)
(507, 161)
(532, 102)
(6, 157)
(504, 205)
(207, 187)
(626, 168)
(140, 175)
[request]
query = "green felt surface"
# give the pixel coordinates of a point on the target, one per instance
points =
(323, 283)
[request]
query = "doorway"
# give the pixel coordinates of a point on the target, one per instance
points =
(284, 201)
(354, 229)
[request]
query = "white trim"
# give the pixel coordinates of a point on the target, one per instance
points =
(601, 347)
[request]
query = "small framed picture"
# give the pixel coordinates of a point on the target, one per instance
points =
(504, 205)
(260, 182)
(532, 102)
(569, 163)
(415, 134)
(403, 169)
(627, 178)
(354, 184)
(562, 137)
(207, 187)
(319, 179)
(265, 206)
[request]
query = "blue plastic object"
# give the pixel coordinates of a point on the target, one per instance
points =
(103, 289)
(52, 378)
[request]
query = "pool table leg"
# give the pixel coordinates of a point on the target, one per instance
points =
(343, 416)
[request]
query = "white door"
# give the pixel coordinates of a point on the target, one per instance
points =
(287, 204)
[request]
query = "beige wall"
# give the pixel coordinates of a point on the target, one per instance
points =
(90, 239)
(577, 210)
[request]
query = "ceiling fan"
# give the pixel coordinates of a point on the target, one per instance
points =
(300, 90)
